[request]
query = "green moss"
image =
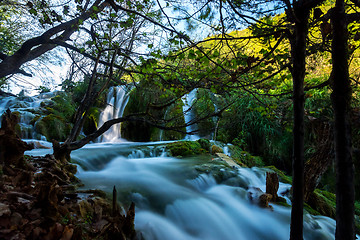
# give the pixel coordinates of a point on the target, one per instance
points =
(204, 143)
(245, 157)
(53, 127)
(357, 208)
(90, 123)
(282, 203)
(282, 176)
(310, 209)
(323, 203)
(185, 148)
(328, 196)
(35, 119)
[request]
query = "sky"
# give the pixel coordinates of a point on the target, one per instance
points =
(52, 74)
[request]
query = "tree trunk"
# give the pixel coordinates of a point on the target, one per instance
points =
(298, 52)
(317, 165)
(341, 97)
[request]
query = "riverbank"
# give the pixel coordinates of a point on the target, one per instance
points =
(39, 198)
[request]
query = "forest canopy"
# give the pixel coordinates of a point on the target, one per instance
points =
(283, 75)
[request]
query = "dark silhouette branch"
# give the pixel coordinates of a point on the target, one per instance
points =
(37, 46)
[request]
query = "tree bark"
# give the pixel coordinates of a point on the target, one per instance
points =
(298, 53)
(341, 98)
(317, 165)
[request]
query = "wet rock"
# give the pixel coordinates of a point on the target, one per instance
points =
(4, 210)
(216, 149)
(264, 200)
(259, 197)
(16, 219)
(34, 214)
(228, 160)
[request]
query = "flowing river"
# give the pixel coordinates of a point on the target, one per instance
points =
(179, 198)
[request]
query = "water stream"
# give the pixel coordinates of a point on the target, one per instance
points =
(189, 115)
(26, 107)
(117, 99)
(182, 198)
(177, 199)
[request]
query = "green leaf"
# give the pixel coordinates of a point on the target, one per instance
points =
(191, 54)
(33, 11)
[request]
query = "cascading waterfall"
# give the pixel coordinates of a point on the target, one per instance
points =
(189, 115)
(116, 102)
(175, 201)
(25, 106)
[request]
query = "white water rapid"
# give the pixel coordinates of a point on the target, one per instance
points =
(189, 115)
(180, 198)
(25, 106)
(189, 198)
(116, 102)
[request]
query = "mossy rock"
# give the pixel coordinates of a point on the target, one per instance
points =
(216, 149)
(282, 202)
(91, 121)
(47, 103)
(204, 143)
(35, 119)
(282, 176)
(185, 148)
(245, 157)
(310, 210)
(323, 203)
(222, 173)
(53, 127)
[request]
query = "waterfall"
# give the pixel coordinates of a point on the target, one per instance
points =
(189, 114)
(117, 99)
(173, 201)
(26, 107)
